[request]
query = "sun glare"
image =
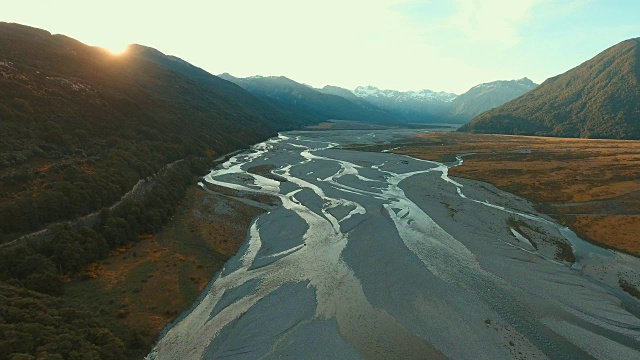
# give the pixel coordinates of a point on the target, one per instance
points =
(117, 50)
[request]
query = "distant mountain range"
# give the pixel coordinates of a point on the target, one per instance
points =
(308, 103)
(597, 99)
(413, 106)
(369, 103)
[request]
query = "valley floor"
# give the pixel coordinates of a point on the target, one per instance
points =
(378, 255)
(587, 184)
(593, 186)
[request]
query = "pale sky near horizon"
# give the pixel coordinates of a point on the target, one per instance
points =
(442, 45)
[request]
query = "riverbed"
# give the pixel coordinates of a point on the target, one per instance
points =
(381, 256)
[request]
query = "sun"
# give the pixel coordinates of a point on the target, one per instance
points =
(117, 50)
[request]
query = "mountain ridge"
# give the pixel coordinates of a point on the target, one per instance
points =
(80, 129)
(486, 96)
(306, 102)
(423, 106)
(426, 94)
(428, 105)
(60, 98)
(599, 98)
(223, 87)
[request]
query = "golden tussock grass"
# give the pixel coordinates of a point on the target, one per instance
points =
(559, 172)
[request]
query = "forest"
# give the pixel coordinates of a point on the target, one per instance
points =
(97, 150)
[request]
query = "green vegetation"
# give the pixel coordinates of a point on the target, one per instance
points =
(142, 286)
(40, 265)
(564, 251)
(34, 324)
(598, 99)
(79, 129)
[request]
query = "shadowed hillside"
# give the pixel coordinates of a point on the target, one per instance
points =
(216, 86)
(73, 114)
(96, 151)
(598, 99)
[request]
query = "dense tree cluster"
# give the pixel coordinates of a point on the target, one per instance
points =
(40, 326)
(77, 186)
(68, 247)
(598, 99)
(38, 267)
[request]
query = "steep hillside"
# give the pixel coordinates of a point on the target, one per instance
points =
(597, 99)
(96, 152)
(306, 102)
(215, 85)
(413, 106)
(483, 97)
(64, 102)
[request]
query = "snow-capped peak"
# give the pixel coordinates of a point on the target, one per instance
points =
(425, 94)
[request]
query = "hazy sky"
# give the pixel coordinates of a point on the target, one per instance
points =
(448, 45)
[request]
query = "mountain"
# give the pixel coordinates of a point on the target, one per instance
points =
(368, 103)
(349, 95)
(81, 88)
(62, 101)
(307, 103)
(413, 106)
(342, 92)
(96, 151)
(597, 99)
(483, 97)
(172, 62)
(65, 104)
(217, 86)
